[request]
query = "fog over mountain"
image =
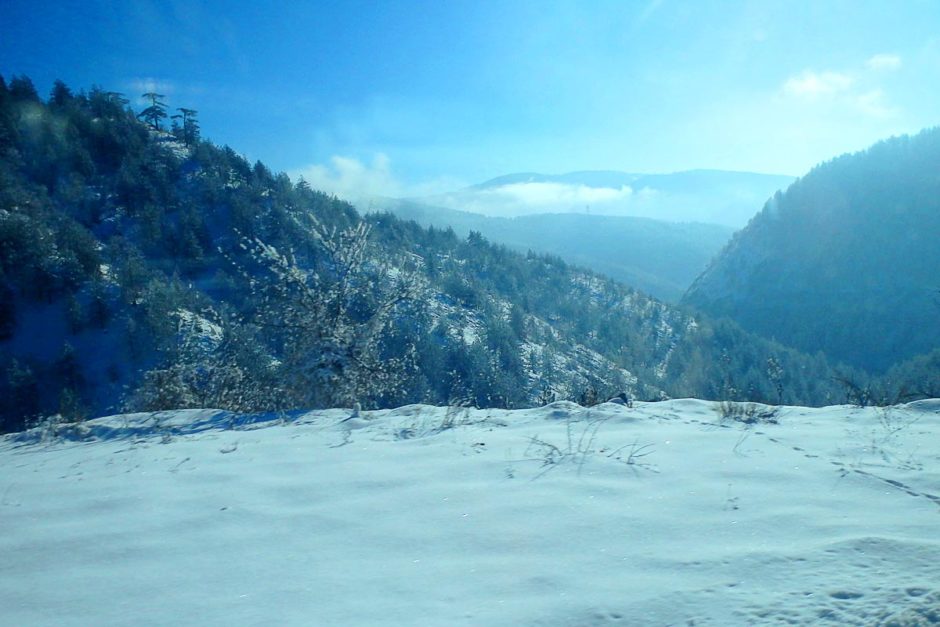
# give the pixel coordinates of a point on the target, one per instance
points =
(709, 196)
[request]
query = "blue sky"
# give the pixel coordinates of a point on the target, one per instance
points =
(417, 97)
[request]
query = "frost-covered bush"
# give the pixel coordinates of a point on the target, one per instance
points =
(332, 313)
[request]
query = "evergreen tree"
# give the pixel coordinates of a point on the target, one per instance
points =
(23, 90)
(189, 131)
(19, 397)
(155, 112)
(61, 95)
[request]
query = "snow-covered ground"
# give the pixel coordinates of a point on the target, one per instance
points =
(435, 516)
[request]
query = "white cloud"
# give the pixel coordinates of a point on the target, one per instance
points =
(884, 62)
(359, 183)
(813, 85)
(351, 179)
(140, 86)
(518, 199)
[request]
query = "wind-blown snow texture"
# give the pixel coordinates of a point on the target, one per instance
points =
(435, 516)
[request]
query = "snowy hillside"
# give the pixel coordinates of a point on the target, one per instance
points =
(683, 512)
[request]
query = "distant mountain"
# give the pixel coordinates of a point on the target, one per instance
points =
(846, 261)
(657, 257)
(707, 196)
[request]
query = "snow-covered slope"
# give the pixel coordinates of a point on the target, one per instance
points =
(673, 513)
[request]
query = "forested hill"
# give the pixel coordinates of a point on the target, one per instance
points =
(144, 268)
(845, 261)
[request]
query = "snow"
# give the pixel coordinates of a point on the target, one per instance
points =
(435, 516)
(204, 331)
(471, 332)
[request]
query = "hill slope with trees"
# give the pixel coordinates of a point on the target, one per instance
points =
(657, 257)
(844, 262)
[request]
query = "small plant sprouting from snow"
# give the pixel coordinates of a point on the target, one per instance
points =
(457, 414)
(579, 446)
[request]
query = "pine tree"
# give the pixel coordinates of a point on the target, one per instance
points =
(189, 131)
(155, 112)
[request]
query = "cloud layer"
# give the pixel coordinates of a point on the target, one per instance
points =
(362, 183)
(519, 199)
(549, 194)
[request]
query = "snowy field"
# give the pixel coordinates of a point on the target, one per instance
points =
(673, 513)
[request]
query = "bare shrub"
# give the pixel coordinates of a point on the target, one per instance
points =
(579, 446)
